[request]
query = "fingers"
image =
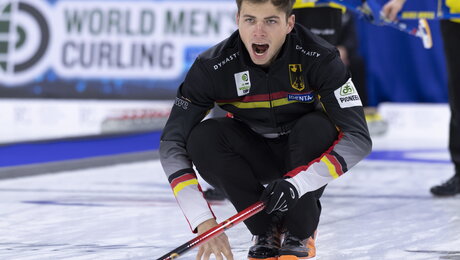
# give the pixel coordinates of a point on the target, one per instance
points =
(207, 255)
(277, 203)
(200, 253)
(216, 252)
(207, 251)
(228, 255)
(218, 256)
(282, 195)
(391, 9)
(268, 191)
(389, 12)
(226, 250)
(218, 246)
(386, 11)
(392, 15)
(271, 205)
(270, 197)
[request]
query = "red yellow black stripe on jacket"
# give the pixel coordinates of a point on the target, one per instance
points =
(185, 186)
(334, 163)
(183, 181)
(276, 99)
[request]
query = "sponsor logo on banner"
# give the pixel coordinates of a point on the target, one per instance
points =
(116, 39)
(295, 76)
(243, 83)
(347, 96)
(25, 39)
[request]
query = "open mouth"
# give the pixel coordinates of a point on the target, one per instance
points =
(259, 49)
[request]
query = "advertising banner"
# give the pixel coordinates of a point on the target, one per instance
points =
(105, 49)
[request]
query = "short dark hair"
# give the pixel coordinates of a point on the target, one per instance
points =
(283, 5)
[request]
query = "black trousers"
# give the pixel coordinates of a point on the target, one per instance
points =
(233, 158)
(451, 37)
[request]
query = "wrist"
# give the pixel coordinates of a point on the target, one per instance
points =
(206, 225)
(296, 186)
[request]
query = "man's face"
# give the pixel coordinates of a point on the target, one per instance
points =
(263, 30)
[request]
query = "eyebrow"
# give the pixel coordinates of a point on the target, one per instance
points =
(265, 18)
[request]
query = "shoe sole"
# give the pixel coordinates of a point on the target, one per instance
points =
(444, 194)
(284, 257)
(293, 257)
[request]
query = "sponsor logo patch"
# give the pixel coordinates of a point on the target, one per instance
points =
(306, 52)
(347, 96)
(243, 83)
(308, 98)
(225, 61)
(181, 103)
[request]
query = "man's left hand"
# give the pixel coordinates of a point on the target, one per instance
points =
(280, 195)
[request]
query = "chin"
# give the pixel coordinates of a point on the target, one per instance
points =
(260, 62)
(257, 62)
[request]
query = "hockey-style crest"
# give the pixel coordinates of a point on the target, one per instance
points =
(295, 76)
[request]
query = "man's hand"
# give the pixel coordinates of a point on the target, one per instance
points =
(279, 195)
(391, 9)
(218, 245)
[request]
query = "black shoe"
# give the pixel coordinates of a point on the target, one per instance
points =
(213, 194)
(449, 188)
(296, 248)
(266, 246)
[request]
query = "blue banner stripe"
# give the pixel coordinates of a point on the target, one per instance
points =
(61, 150)
(410, 155)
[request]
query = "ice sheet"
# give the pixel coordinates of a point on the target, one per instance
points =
(381, 209)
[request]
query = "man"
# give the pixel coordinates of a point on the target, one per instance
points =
(450, 31)
(322, 19)
(297, 124)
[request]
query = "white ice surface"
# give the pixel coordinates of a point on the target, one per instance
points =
(378, 210)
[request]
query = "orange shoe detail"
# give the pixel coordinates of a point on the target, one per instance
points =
(311, 245)
(293, 257)
(288, 257)
(291, 252)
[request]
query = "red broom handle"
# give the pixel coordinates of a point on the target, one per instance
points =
(215, 231)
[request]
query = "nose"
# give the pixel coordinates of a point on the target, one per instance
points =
(259, 29)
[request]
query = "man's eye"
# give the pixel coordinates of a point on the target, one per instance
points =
(271, 21)
(249, 20)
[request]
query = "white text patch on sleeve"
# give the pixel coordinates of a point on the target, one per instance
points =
(347, 96)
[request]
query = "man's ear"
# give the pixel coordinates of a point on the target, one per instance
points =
(237, 18)
(291, 22)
